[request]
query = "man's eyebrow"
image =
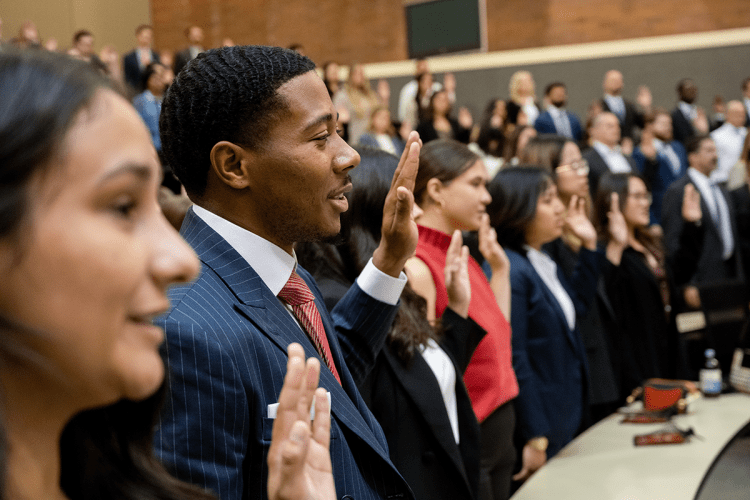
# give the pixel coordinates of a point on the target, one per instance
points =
(327, 118)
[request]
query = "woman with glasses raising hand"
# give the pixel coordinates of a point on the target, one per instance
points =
(641, 281)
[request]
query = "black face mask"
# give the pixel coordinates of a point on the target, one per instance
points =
(559, 104)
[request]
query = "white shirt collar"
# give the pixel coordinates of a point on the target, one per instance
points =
(546, 268)
(273, 264)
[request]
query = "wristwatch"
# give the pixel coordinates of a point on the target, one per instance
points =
(539, 443)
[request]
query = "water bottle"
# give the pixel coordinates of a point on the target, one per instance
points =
(710, 375)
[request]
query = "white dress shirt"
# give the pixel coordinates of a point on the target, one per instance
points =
(717, 207)
(275, 266)
(547, 270)
(613, 157)
(561, 121)
(616, 104)
(666, 149)
(729, 141)
(690, 111)
(445, 374)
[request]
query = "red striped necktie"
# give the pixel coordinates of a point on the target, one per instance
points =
(297, 294)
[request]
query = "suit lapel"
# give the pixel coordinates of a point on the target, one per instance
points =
(429, 402)
(258, 304)
(550, 298)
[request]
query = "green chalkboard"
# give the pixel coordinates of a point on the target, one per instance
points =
(442, 26)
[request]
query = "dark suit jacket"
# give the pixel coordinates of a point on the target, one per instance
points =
(181, 59)
(711, 266)
(682, 129)
(544, 124)
(407, 402)
(226, 341)
(659, 175)
(598, 167)
(633, 118)
(132, 70)
(740, 198)
(549, 358)
(428, 133)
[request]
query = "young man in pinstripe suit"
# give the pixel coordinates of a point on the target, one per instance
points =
(251, 134)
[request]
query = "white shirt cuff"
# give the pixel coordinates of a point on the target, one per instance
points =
(381, 286)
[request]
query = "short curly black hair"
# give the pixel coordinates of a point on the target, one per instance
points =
(227, 94)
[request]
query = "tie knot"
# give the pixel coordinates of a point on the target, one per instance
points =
(296, 291)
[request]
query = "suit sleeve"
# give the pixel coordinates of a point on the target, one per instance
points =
(584, 280)
(362, 324)
(461, 337)
(532, 421)
(204, 429)
(671, 217)
(544, 124)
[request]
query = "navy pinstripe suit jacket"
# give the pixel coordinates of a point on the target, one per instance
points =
(226, 341)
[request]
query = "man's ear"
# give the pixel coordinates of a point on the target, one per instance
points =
(230, 163)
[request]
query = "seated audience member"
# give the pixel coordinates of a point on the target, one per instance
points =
(729, 139)
(437, 122)
(355, 102)
(642, 281)
(569, 170)
(605, 154)
(415, 389)
(515, 142)
(194, 35)
(556, 119)
(148, 102)
(630, 115)
(719, 257)
(381, 134)
(522, 106)
(688, 120)
(137, 60)
(659, 159)
(490, 142)
(548, 353)
(260, 185)
(83, 49)
(81, 233)
(451, 190)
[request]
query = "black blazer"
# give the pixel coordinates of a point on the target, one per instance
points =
(682, 129)
(598, 167)
(132, 69)
(711, 266)
(633, 118)
(406, 401)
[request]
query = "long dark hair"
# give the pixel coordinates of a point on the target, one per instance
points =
(491, 139)
(104, 452)
(444, 160)
(515, 192)
(620, 184)
(360, 235)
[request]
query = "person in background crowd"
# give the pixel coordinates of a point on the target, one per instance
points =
(515, 142)
(331, 77)
(415, 95)
(194, 35)
(438, 123)
(640, 280)
(251, 133)
(82, 234)
(490, 141)
(628, 113)
(355, 102)
(83, 49)
(148, 102)
(688, 120)
(556, 119)
(605, 154)
(135, 62)
(415, 389)
(381, 134)
(451, 190)
(522, 106)
(570, 173)
(719, 257)
(729, 139)
(548, 353)
(659, 159)
(298, 48)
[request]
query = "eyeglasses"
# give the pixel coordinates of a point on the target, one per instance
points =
(581, 167)
(642, 196)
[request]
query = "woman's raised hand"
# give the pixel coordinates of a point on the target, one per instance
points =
(578, 222)
(457, 275)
